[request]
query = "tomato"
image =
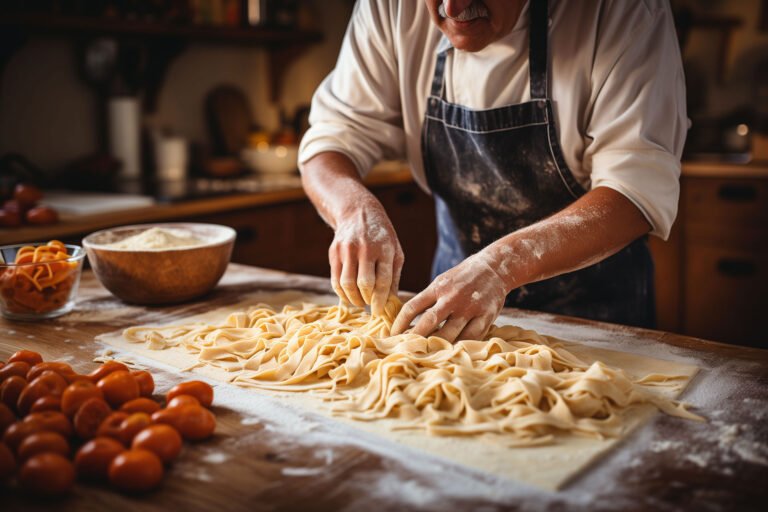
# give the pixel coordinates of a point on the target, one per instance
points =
(46, 403)
(94, 457)
(18, 431)
(119, 387)
(193, 422)
(29, 357)
(89, 417)
(10, 390)
(52, 420)
(62, 369)
(142, 404)
(42, 442)
(41, 215)
(7, 463)
(132, 425)
(17, 368)
(47, 473)
(9, 219)
(48, 383)
(7, 417)
(27, 194)
(180, 400)
(146, 382)
(163, 440)
(197, 388)
(110, 427)
(105, 369)
(77, 393)
(136, 471)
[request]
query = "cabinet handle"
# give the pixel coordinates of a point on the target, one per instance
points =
(737, 193)
(247, 234)
(736, 268)
(405, 198)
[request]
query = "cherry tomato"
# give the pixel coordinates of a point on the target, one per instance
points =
(193, 422)
(7, 418)
(197, 388)
(105, 369)
(48, 383)
(163, 440)
(42, 215)
(53, 421)
(27, 194)
(29, 357)
(47, 473)
(62, 369)
(10, 219)
(94, 457)
(180, 400)
(42, 442)
(132, 425)
(136, 471)
(110, 427)
(46, 403)
(119, 387)
(146, 382)
(142, 404)
(10, 390)
(7, 463)
(77, 393)
(18, 431)
(13, 206)
(89, 417)
(17, 368)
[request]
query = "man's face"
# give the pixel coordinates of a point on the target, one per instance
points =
(471, 25)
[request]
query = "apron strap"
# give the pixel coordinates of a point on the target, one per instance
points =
(537, 59)
(437, 78)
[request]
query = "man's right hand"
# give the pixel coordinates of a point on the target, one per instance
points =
(365, 256)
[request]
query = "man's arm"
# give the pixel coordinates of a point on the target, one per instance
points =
(470, 296)
(365, 256)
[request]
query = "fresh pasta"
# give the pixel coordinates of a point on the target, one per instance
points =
(516, 382)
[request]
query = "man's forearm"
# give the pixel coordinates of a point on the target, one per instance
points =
(333, 185)
(594, 227)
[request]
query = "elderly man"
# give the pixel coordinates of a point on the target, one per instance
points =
(548, 132)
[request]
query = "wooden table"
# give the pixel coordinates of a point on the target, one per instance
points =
(253, 463)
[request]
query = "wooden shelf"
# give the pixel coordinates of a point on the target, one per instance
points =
(72, 26)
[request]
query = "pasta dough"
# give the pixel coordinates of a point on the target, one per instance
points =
(517, 382)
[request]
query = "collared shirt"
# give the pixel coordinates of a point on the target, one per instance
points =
(616, 81)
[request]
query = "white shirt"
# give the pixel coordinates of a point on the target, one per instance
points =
(616, 80)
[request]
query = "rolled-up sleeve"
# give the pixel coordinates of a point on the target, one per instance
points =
(356, 110)
(637, 124)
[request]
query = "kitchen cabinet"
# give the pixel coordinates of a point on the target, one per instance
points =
(712, 274)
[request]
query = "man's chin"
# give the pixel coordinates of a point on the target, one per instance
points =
(467, 36)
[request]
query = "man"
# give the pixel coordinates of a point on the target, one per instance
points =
(548, 133)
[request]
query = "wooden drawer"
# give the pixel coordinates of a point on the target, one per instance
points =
(725, 294)
(741, 202)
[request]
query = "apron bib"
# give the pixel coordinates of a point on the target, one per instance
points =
(495, 171)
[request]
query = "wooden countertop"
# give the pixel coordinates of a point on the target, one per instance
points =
(168, 212)
(724, 170)
(668, 464)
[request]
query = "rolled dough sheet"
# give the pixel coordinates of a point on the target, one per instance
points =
(547, 467)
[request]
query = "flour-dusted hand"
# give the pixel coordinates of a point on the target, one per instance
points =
(365, 256)
(468, 298)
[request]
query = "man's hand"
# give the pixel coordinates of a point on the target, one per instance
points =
(467, 297)
(366, 257)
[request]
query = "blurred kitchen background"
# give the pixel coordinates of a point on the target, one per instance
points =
(135, 111)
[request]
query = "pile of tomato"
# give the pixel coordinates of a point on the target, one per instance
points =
(57, 426)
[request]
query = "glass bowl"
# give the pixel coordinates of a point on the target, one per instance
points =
(38, 289)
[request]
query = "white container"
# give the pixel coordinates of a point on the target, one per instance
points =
(171, 158)
(272, 159)
(125, 135)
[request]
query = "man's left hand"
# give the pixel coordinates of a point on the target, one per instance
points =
(468, 298)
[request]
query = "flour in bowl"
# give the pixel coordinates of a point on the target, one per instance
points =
(158, 238)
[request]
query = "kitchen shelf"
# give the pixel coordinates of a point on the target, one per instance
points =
(73, 26)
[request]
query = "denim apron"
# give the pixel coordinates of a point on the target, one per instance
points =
(495, 171)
